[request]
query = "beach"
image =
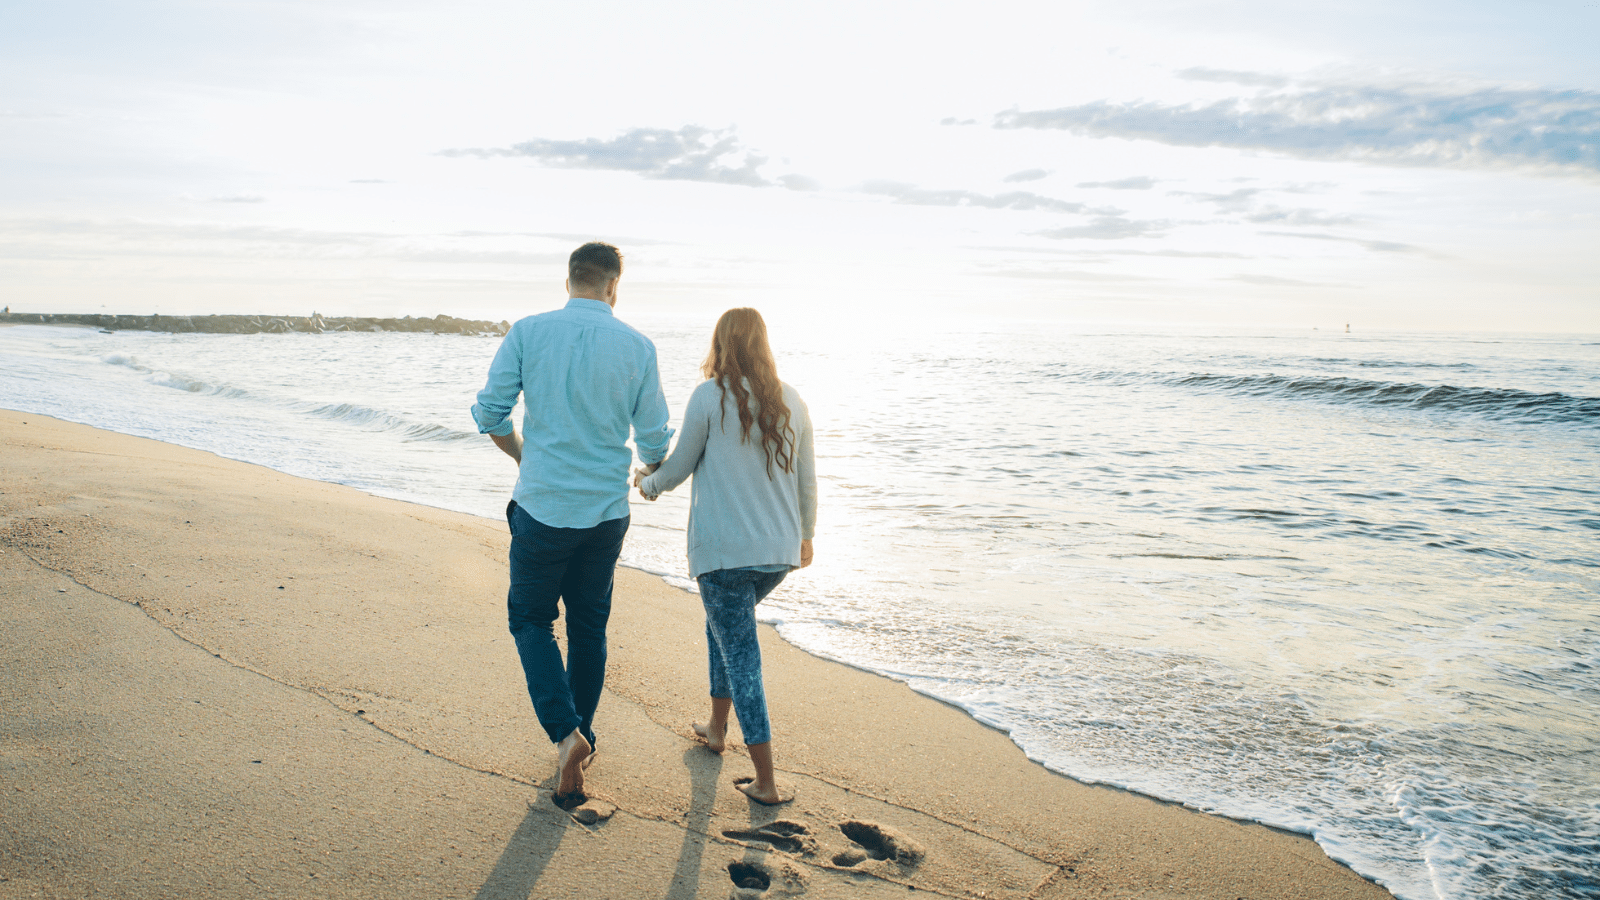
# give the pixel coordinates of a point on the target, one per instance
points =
(226, 681)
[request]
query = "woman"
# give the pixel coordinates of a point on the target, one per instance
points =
(746, 438)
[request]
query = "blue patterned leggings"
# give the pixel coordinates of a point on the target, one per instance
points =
(730, 597)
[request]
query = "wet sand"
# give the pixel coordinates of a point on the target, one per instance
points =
(223, 681)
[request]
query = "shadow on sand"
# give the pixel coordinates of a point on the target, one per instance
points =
(704, 768)
(517, 871)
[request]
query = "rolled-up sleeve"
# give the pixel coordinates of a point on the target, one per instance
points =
(650, 416)
(499, 395)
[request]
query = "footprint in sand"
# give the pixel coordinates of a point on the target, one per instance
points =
(785, 835)
(875, 841)
(754, 879)
(751, 876)
(593, 812)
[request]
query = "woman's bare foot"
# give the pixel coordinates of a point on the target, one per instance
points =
(716, 738)
(763, 788)
(573, 750)
(715, 731)
(766, 795)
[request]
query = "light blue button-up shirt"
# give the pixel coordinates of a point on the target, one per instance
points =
(586, 378)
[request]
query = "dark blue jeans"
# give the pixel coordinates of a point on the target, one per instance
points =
(730, 597)
(575, 566)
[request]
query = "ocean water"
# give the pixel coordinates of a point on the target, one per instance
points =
(1344, 584)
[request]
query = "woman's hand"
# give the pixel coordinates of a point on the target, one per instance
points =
(805, 553)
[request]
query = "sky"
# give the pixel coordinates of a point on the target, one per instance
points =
(1397, 165)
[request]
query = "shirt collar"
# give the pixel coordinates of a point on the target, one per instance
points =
(586, 303)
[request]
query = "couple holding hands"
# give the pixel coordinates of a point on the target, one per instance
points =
(587, 380)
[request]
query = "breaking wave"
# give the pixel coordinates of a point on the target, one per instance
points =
(172, 379)
(1497, 403)
(378, 420)
(346, 413)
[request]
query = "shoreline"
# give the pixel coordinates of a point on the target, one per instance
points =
(662, 578)
(282, 577)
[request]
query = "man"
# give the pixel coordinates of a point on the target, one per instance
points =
(585, 379)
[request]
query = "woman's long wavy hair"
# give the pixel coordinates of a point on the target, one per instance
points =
(739, 351)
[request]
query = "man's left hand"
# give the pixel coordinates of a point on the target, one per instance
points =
(639, 476)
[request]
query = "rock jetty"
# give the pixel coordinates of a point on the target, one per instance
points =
(312, 324)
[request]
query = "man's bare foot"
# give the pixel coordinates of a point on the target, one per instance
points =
(766, 796)
(573, 750)
(716, 737)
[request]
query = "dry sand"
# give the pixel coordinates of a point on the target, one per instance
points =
(220, 681)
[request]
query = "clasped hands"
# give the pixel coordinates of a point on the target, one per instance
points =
(638, 480)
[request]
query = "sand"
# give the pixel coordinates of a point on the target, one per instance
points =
(222, 681)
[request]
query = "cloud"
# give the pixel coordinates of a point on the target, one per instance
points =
(691, 153)
(952, 120)
(1021, 200)
(1380, 246)
(1106, 228)
(1401, 125)
(1242, 202)
(1027, 175)
(1232, 201)
(1136, 183)
(799, 183)
(1278, 215)
(1180, 254)
(1230, 76)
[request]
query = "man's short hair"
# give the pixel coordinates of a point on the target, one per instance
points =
(594, 264)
